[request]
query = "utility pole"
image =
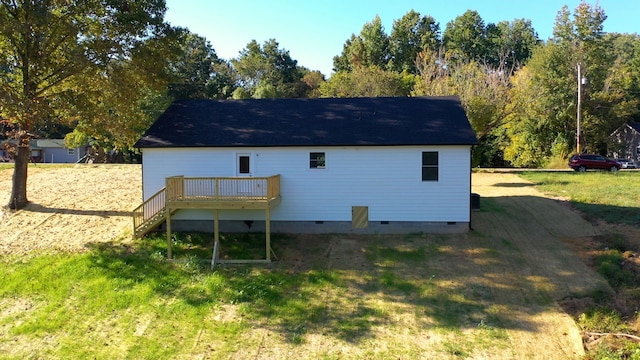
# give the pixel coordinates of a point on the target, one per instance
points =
(581, 81)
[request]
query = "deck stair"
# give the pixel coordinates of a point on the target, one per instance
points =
(150, 214)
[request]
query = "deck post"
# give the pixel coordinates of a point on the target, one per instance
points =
(169, 253)
(268, 232)
(216, 235)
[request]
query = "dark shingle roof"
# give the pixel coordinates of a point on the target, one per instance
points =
(311, 122)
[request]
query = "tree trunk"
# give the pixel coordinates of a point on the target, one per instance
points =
(18, 198)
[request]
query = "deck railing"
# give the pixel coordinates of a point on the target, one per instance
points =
(223, 188)
(149, 209)
(180, 188)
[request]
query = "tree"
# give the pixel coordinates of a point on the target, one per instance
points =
(198, 73)
(579, 39)
(349, 55)
(55, 61)
(369, 81)
(410, 35)
(134, 95)
(434, 74)
(465, 37)
(369, 48)
(375, 44)
(510, 43)
(543, 125)
(527, 139)
(482, 90)
(312, 81)
(623, 78)
(267, 71)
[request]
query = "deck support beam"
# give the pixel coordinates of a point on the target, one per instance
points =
(169, 253)
(216, 241)
(216, 237)
(267, 225)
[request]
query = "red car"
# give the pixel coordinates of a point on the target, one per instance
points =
(583, 162)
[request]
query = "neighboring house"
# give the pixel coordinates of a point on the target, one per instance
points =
(50, 151)
(55, 151)
(624, 143)
(356, 165)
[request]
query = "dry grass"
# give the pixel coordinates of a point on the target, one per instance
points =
(70, 207)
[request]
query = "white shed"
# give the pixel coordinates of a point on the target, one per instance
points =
(357, 165)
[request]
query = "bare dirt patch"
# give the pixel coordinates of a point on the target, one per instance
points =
(70, 207)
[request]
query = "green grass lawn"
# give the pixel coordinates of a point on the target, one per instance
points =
(126, 301)
(613, 197)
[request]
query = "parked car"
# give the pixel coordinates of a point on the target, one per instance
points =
(584, 162)
(627, 163)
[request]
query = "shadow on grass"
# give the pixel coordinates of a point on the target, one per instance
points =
(32, 207)
(609, 213)
(514, 185)
(511, 267)
(448, 282)
(285, 301)
(143, 263)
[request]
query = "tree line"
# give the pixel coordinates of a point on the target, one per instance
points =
(101, 72)
(519, 92)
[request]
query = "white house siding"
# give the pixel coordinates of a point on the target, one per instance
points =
(388, 180)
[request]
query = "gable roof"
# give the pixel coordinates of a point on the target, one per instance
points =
(382, 121)
(51, 143)
(634, 126)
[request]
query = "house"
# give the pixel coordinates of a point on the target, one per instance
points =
(346, 165)
(55, 151)
(625, 142)
(50, 151)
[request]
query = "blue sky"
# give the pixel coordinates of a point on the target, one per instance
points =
(314, 31)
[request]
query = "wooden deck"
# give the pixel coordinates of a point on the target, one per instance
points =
(216, 193)
(222, 192)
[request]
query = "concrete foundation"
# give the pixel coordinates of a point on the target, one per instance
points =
(326, 227)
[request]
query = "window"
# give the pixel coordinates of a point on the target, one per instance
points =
(429, 166)
(243, 164)
(316, 160)
(71, 151)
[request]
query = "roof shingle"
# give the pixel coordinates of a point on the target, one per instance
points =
(381, 121)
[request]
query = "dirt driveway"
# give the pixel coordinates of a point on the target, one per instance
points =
(514, 212)
(534, 223)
